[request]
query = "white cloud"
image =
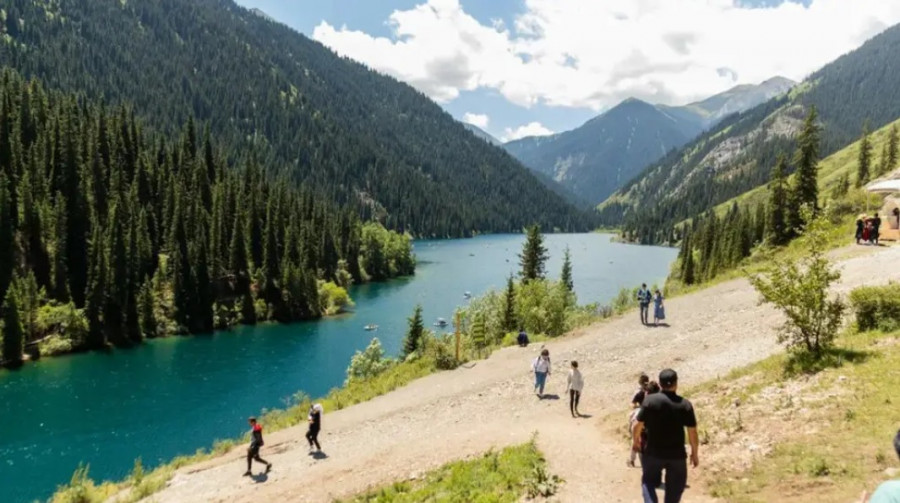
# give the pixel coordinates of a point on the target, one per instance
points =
(530, 129)
(594, 53)
(480, 120)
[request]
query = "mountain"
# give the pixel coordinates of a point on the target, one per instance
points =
(738, 154)
(609, 150)
(354, 135)
(484, 135)
(737, 99)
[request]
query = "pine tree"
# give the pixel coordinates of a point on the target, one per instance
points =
(566, 276)
(13, 347)
(534, 255)
(864, 161)
(893, 149)
(778, 202)
(509, 306)
(7, 237)
(146, 310)
(806, 190)
(203, 315)
(688, 276)
(415, 333)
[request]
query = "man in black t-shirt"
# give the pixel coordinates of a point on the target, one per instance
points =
(666, 415)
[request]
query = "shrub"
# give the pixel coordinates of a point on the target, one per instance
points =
(877, 307)
(333, 298)
(368, 363)
(799, 289)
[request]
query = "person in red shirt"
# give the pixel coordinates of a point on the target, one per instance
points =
(256, 441)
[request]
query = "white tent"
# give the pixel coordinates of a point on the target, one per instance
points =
(884, 186)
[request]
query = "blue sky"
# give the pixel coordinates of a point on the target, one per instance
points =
(517, 68)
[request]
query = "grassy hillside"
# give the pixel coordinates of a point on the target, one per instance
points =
(831, 169)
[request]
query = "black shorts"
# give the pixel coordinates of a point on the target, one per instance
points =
(253, 450)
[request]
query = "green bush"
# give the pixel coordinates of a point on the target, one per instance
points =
(877, 307)
(333, 298)
(368, 363)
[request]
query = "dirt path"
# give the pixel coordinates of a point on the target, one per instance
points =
(453, 415)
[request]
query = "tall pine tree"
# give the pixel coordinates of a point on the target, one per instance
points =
(806, 189)
(509, 306)
(13, 347)
(566, 275)
(776, 226)
(534, 255)
(415, 334)
(864, 161)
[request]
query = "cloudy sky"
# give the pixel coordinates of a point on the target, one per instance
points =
(531, 67)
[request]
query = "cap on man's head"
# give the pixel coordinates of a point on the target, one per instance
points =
(668, 378)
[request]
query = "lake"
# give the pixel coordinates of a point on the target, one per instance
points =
(172, 396)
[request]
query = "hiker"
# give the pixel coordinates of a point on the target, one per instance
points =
(522, 339)
(636, 401)
(666, 415)
(860, 225)
(256, 441)
(887, 492)
(659, 310)
(541, 369)
(643, 297)
(315, 424)
(876, 225)
(574, 385)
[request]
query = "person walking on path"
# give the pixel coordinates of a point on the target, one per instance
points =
(541, 369)
(256, 441)
(876, 225)
(636, 402)
(315, 424)
(659, 310)
(666, 415)
(522, 339)
(574, 385)
(643, 297)
(887, 492)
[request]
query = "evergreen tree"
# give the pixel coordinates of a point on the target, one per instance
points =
(147, 312)
(806, 190)
(509, 306)
(534, 255)
(60, 287)
(415, 334)
(7, 236)
(688, 274)
(864, 161)
(13, 346)
(566, 276)
(778, 205)
(203, 316)
(893, 149)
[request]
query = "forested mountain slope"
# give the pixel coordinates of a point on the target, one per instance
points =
(739, 153)
(110, 233)
(355, 135)
(600, 156)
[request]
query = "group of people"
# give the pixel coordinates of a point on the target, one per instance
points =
(574, 380)
(314, 420)
(868, 229)
(644, 298)
(657, 424)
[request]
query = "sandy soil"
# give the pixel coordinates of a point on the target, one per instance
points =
(454, 415)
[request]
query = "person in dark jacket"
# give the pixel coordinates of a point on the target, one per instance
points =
(315, 425)
(876, 226)
(860, 225)
(256, 441)
(522, 339)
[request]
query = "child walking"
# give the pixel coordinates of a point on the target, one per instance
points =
(636, 402)
(541, 369)
(574, 384)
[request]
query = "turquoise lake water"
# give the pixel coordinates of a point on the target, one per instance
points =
(173, 396)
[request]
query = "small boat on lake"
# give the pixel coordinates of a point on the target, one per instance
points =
(440, 322)
(371, 328)
(467, 295)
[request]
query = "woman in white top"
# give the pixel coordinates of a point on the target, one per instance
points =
(574, 383)
(541, 369)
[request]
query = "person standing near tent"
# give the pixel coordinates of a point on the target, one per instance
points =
(644, 297)
(860, 227)
(256, 441)
(315, 425)
(541, 368)
(876, 225)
